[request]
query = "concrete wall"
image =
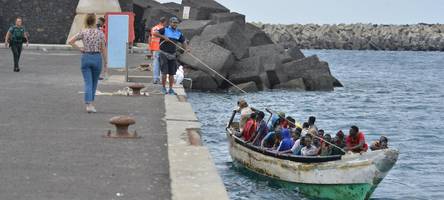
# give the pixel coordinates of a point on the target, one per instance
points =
(126, 5)
(47, 21)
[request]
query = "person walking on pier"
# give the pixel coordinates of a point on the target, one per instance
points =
(169, 35)
(93, 52)
(15, 37)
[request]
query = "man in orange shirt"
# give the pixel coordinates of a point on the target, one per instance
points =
(355, 141)
(155, 48)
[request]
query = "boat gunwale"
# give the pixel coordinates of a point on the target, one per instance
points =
(294, 158)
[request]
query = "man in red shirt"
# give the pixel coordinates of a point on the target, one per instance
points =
(356, 141)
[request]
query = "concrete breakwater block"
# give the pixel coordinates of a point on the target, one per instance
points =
(213, 55)
(153, 15)
(246, 70)
(227, 17)
(295, 53)
(191, 28)
(202, 81)
(202, 9)
(247, 87)
(256, 36)
(316, 73)
(295, 84)
(228, 35)
(271, 50)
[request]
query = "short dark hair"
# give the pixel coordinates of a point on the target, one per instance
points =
(261, 115)
(311, 120)
(101, 19)
(290, 119)
(305, 125)
(162, 19)
(321, 130)
(355, 128)
(299, 130)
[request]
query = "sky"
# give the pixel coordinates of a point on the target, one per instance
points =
(337, 11)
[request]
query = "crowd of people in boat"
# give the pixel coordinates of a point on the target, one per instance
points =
(283, 135)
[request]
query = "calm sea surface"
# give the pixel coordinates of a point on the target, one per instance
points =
(398, 94)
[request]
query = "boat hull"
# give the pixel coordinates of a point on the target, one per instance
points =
(352, 177)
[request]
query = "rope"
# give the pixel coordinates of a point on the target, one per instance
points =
(204, 64)
(243, 91)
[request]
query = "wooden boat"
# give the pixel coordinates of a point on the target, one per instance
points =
(350, 176)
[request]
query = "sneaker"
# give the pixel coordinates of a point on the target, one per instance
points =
(163, 91)
(93, 109)
(90, 109)
(171, 92)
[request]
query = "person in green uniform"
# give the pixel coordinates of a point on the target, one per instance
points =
(15, 37)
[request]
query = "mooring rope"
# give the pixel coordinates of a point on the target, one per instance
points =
(243, 91)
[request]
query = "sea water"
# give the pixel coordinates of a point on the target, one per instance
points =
(397, 94)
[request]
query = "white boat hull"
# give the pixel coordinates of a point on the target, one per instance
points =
(366, 170)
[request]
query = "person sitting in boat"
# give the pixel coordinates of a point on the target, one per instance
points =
(326, 149)
(311, 123)
(245, 112)
(339, 141)
(316, 140)
(355, 141)
(291, 123)
(249, 129)
(297, 146)
(270, 139)
(305, 127)
(296, 138)
(262, 129)
(321, 133)
(286, 142)
(296, 134)
(272, 125)
(309, 149)
(382, 143)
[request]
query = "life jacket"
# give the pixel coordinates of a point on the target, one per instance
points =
(155, 41)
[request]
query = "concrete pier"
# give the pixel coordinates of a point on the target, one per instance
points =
(50, 148)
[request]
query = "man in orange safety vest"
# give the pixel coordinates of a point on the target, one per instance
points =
(155, 48)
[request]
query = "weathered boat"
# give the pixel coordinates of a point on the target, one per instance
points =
(350, 176)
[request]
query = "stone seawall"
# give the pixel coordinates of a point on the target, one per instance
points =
(417, 37)
(48, 22)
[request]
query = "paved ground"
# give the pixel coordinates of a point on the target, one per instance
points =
(51, 149)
